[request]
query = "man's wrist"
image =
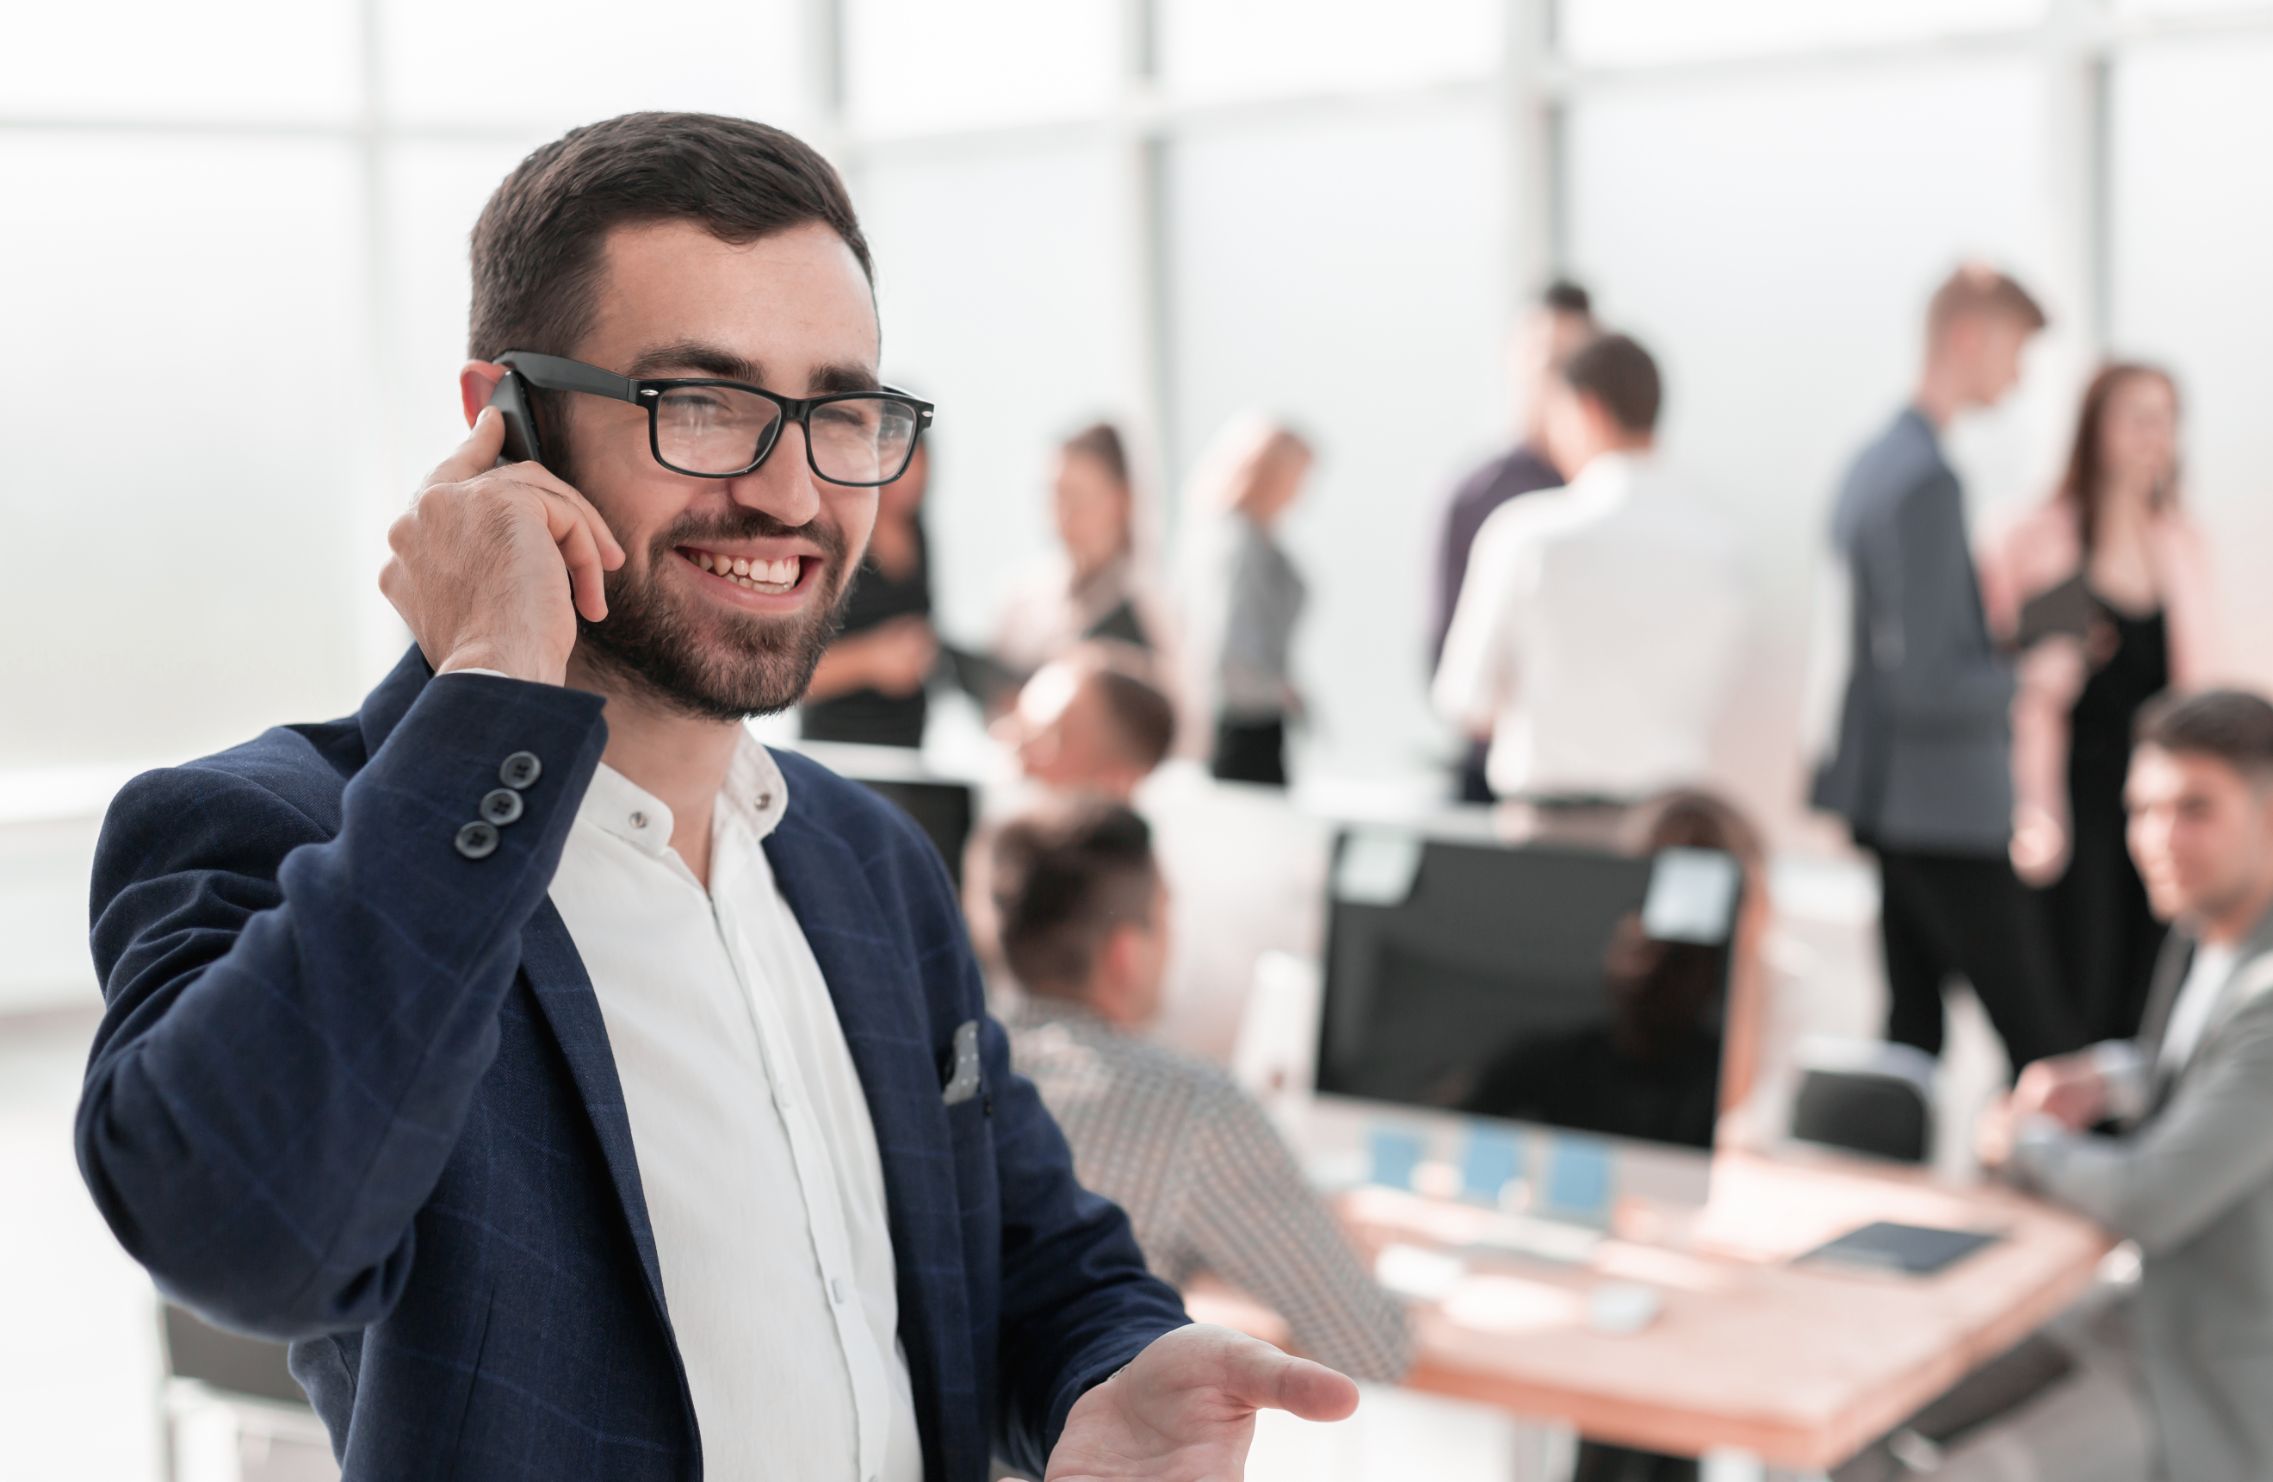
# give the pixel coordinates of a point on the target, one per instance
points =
(487, 659)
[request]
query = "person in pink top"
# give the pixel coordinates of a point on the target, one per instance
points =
(2140, 619)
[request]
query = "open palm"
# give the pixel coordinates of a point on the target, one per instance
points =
(1184, 1409)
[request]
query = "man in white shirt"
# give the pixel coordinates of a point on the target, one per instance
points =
(2163, 1141)
(1599, 624)
(646, 1123)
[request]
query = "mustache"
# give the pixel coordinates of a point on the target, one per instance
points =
(752, 524)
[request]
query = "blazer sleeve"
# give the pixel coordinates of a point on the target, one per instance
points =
(1928, 638)
(1077, 1301)
(296, 1020)
(2206, 1149)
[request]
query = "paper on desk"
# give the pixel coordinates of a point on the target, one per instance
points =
(1378, 868)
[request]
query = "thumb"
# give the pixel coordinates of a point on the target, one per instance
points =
(477, 454)
(1259, 1375)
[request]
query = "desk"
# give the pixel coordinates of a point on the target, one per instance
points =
(1800, 1367)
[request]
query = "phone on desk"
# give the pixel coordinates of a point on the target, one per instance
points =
(511, 398)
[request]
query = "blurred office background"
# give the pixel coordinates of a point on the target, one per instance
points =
(232, 294)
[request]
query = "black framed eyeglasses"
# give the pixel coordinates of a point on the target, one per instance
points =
(717, 429)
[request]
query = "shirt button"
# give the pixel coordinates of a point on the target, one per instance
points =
(501, 806)
(520, 769)
(836, 1290)
(477, 841)
(639, 820)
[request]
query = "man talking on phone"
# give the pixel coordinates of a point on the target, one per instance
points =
(583, 1089)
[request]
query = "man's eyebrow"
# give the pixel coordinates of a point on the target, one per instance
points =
(698, 356)
(706, 359)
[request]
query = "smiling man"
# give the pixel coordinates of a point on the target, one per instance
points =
(584, 1089)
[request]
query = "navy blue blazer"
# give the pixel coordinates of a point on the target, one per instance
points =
(353, 1089)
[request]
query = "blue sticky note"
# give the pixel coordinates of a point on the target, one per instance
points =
(1492, 1161)
(1396, 1154)
(1578, 1178)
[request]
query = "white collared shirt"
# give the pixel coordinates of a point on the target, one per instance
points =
(756, 1153)
(1597, 633)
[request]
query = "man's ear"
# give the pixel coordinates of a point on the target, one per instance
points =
(1116, 969)
(477, 382)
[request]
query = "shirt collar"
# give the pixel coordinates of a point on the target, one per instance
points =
(756, 795)
(1611, 476)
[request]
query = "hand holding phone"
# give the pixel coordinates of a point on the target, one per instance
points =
(492, 563)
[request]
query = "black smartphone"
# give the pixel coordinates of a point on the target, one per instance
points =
(511, 398)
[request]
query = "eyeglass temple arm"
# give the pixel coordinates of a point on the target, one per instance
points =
(556, 373)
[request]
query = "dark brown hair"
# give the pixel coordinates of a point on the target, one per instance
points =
(1064, 876)
(537, 246)
(1563, 296)
(2234, 726)
(1142, 716)
(1976, 288)
(1101, 441)
(1617, 372)
(2083, 486)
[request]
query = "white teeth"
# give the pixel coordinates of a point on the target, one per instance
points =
(758, 576)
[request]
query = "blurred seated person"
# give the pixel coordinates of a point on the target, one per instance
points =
(1092, 721)
(1208, 1184)
(869, 686)
(2162, 1141)
(1559, 322)
(1245, 595)
(1092, 587)
(1653, 1068)
(1598, 630)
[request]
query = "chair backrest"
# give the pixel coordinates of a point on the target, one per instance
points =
(1865, 1097)
(229, 1362)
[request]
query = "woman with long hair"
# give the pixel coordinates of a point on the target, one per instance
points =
(2115, 551)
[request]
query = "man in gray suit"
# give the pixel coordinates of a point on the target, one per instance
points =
(2176, 1380)
(1922, 770)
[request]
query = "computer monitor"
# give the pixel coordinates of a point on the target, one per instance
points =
(943, 810)
(1573, 989)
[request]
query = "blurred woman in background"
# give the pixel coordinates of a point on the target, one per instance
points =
(1092, 587)
(2107, 589)
(1244, 595)
(869, 687)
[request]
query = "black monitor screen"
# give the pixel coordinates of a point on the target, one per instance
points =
(1573, 989)
(943, 810)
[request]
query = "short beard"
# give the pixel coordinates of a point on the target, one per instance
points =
(659, 647)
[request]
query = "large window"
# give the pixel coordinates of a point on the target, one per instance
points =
(235, 280)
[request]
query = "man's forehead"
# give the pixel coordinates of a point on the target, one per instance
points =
(786, 305)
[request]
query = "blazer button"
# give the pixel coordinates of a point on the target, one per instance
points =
(520, 769)
(501, 806)
(477, 841)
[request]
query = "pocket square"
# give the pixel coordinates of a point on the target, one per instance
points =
(963, 1074)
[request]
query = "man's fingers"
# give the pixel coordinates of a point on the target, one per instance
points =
(540, 477)
(1261, 1376)
(477, 454)
(585, 579)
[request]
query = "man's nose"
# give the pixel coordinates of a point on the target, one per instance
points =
(784, 485)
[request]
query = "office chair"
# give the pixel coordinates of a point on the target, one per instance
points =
(1863, 1096)
(229, 1395)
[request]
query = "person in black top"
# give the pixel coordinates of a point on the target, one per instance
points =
(1559, 322)
(869, 687)
(2115, 556)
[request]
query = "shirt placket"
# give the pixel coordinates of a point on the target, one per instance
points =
(817, 1192)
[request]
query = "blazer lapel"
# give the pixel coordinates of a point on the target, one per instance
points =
(886, 1022)
(563, 991)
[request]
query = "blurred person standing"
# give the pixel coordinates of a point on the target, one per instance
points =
(1244, 595)
(1600, 624)
(1558, 322)
(869, 687)
(1094, 585)
(1083, 915)
(2114, 560)
(1922, 765)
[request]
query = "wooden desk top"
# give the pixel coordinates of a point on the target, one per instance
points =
(1799, 1366)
